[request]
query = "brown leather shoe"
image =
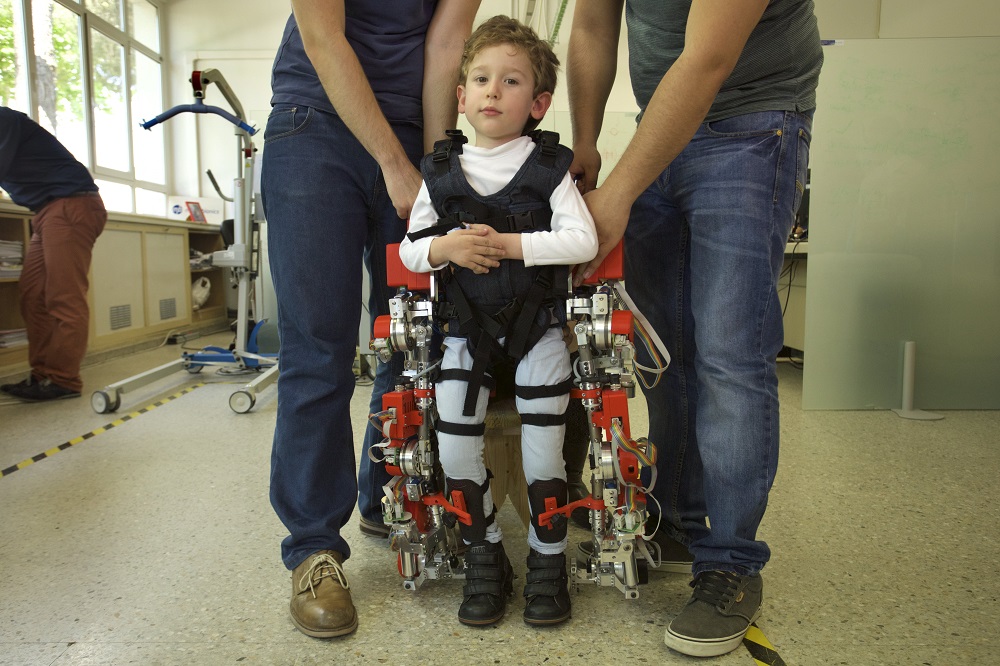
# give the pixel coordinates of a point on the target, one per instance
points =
(321, 604)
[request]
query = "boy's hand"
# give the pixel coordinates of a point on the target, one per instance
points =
(474, 249)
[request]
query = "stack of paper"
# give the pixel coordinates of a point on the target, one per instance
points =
(13, 338)
(11, 258)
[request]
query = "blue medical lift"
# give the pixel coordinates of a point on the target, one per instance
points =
(239, 257)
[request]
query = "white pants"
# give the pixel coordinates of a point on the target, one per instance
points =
(545, 364)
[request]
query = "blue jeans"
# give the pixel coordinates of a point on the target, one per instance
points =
(703, 251)
(327, 210)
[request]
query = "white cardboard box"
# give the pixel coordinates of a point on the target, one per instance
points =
(212, 207)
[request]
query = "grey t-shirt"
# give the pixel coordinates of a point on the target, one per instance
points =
(777, 71)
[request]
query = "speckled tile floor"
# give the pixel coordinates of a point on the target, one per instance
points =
(154, 543)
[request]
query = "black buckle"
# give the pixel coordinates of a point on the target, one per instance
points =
(520, 222)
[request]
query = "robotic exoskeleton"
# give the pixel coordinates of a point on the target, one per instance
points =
(421, 518)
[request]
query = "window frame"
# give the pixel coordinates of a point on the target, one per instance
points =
(89, 21)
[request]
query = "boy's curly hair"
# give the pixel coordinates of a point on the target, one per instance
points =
(506, 30)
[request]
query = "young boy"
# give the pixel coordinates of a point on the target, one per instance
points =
(507, 217)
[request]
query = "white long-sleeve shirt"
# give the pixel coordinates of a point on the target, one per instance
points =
(572, 240)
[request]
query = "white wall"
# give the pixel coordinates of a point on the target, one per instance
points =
(904, 241)
(240, 38)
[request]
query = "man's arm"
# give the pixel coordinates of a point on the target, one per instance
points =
(713, 41)
(446, 35)
(593, 63)
(321, 23)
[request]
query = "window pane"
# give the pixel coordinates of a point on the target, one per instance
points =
(147, 103)
(110, 118)
(148, 202)
(13, 71)
(143, 23)
(117, 197)
(59, 75)
(109, 10)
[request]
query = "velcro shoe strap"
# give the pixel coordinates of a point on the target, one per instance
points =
(543, 588)
(483, 587)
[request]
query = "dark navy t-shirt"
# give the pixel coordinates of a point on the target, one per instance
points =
(34, 167)
(388, 38)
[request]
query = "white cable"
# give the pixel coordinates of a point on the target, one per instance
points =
(620, 289)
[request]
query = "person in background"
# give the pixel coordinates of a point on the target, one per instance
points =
(360, 91)
(40, 174)
(462, 218)
(705, 195)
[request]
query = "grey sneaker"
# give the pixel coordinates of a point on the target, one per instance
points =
(721, 609)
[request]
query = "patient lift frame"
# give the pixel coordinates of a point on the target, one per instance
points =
(240, 257)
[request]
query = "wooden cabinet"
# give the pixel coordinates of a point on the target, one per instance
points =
(140, 282)
(207, 241)
(13, 227)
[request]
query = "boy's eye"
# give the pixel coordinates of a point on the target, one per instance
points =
(510, 82)
(480, 79)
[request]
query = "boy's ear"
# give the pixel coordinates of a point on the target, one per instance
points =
(461, 98)
(541, 105)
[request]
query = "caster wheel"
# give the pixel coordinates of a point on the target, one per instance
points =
(241, 402)
(194, 369)
(102, 402)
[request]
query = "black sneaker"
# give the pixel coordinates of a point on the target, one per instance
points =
(489, 581)
(547, 590)
(42, 391)
(23, 384)
(377, 530)
(721, 609)
(674, 556)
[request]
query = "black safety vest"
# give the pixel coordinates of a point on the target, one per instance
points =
(513, 301)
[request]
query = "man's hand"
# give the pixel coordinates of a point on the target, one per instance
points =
(585, 167)
(469, 248)
(403, 184)
(610, 218)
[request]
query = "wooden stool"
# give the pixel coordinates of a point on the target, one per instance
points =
(503, 457)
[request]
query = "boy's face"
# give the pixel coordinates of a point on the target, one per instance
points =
(497, 96)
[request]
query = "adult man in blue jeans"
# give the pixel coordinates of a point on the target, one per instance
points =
(360, 91)
(708, 189)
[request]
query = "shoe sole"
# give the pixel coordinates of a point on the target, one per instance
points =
(482, 623)
(672, 568)
(331, 633)
(547, 623)
(695, 647)
(23, 398)
(375, 531)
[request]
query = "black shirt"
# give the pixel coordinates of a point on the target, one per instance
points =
(34, 167)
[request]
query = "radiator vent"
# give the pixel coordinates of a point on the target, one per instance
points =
(121, 317)
(168, 309)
